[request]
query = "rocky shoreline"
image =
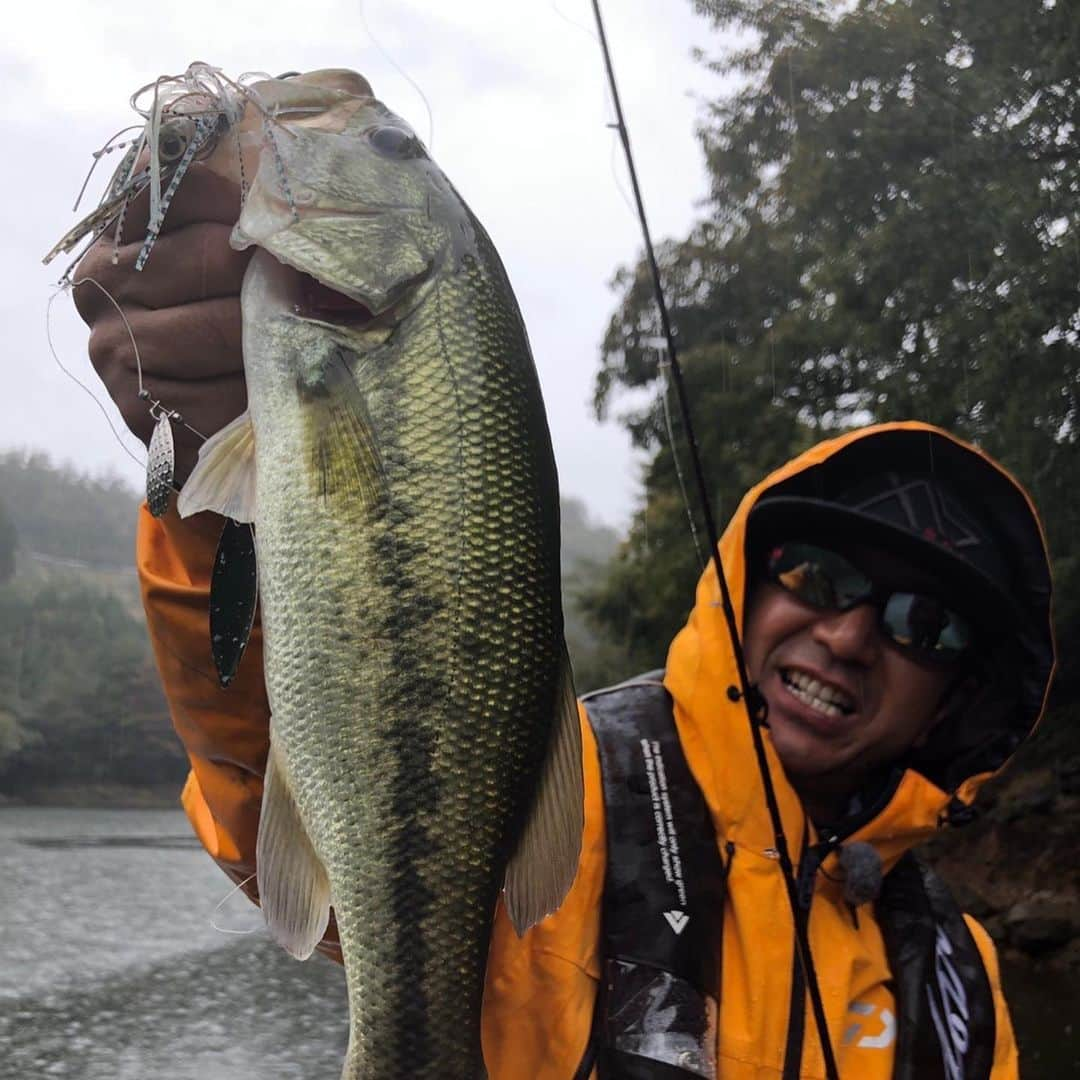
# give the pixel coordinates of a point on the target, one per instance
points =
(1016, 867)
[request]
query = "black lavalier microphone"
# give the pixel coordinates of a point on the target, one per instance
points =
(862, 872)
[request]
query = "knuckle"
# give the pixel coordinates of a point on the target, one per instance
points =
(86, 297)
(110, 351)
(136, 418)
(95, 276)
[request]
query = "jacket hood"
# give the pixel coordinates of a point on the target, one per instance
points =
(939, 782)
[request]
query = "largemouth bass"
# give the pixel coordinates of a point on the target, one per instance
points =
(396, 463)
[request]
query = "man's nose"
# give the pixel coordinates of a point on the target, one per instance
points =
(850, 635)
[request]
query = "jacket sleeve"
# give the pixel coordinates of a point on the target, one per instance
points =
(226, 733)
(541, 988)
(1006, 1056)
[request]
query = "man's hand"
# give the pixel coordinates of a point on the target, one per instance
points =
(184, 310)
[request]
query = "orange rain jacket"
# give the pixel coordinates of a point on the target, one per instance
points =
(541, 988)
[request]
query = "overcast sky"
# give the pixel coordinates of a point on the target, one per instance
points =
(518, 97)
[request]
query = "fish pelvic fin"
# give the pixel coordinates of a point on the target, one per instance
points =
(223, 480)
(343, 454)
(543, 867)
(294, 890)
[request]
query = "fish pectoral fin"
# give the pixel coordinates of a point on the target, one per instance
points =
(543, 867)
(223, 480)
(344, 456)
(294, 891)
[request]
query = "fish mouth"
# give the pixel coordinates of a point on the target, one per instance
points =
(312, 299)
(300, 295)
(321, 303)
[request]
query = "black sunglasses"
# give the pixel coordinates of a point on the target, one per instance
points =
(918, 624)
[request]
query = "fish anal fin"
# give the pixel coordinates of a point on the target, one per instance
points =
(543, 867)
(223, 480)
(344, 457)
(294, 891)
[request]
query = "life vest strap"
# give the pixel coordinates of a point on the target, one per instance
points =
(663, 896)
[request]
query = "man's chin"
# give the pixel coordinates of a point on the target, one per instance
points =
(805, 750)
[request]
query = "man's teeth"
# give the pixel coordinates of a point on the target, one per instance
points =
(818, 695)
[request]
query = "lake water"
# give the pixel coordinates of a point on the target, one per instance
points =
(112, 968)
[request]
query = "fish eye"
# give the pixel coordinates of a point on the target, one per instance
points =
(395, 142)
(173, 139)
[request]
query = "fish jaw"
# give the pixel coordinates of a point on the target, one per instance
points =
(372, 258)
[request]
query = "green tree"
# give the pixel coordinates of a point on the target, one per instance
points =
(891, 232)
(8, 544)
(65, 515)
(14, 737)
(586, 549)
(80, 702)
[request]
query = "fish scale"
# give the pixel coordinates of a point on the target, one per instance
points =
(428, 631)
(395, 460)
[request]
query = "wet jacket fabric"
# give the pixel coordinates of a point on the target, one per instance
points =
(541, 988)
(662, 939)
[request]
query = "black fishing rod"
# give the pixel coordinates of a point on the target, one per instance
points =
(756, 707)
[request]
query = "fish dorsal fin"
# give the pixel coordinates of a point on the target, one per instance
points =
(294, 891)
(224, 478)
(545, 863)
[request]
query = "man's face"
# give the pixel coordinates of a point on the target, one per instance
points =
(842, 699)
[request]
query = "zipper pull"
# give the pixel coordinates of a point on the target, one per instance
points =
(809, 865)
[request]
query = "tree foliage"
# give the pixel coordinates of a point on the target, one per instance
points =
(9, 541)
(81, 708)
(63, 514)
(890, 233)
(586, 550)
(80, 704)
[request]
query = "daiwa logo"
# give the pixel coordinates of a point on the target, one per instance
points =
(883, 1039)
(948, 1008)
(677, 920)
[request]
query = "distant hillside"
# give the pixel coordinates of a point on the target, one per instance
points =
(82, 716)
(586, 550)
(57, 512)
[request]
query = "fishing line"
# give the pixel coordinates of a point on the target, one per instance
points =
(756, 707)
(665, 367)
(972, 287)
(615, 169)
(402, 72)
(156, 408)
(223, 901)
(772, 362)
(609, 108)
(78, 382)
(144, 394)
(587, 30)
